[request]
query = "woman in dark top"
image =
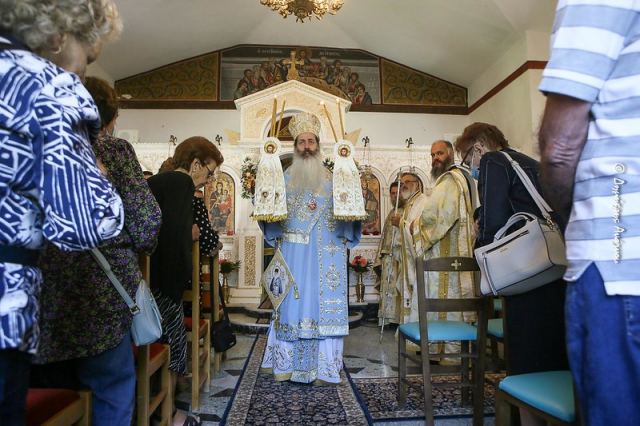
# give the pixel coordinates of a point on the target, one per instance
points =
(192, 165)
(534, 321)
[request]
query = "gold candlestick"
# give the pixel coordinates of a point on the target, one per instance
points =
(281, 118)
(360, 288)
(273, 115)
(341, 122)
(326, 112)
(226, 293)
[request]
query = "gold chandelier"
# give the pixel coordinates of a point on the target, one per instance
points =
(304, 9)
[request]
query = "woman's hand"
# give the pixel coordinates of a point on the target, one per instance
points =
(102, 167)
(195, 232)
(216, 250)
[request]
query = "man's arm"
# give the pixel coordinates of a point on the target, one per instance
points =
(563, 133)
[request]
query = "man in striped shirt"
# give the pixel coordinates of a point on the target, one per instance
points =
(590, 146)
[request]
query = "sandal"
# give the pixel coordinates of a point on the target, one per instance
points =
(192, 420)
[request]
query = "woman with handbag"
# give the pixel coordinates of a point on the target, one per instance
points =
(85, 322)
(534, 320)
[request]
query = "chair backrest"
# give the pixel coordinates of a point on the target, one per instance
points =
(144, 261)
(447, 265)
(193, 295)
(477, 304)
(152, 359)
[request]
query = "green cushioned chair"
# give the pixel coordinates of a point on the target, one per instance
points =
(548, 395)
(472, 339)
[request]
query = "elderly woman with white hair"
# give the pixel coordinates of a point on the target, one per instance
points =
(50, 185)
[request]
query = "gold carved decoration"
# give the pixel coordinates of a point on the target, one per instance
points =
(402, 85)
(250, 261)
(191, 79)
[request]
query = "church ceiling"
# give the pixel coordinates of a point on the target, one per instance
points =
(455, 40)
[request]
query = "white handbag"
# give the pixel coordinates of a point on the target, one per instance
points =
(146, 326)
(527, 258)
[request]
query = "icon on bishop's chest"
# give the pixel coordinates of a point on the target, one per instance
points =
(312, 204)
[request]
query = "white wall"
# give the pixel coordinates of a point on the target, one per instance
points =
(505, 65)
(532, 46)
(383, 129)
(510, 110)
(517, 108)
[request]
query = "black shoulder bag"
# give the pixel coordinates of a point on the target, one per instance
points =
(222, 336)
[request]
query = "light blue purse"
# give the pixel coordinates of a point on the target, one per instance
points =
(147, 322)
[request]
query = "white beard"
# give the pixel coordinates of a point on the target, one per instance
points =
(405, 194)
(306, 174)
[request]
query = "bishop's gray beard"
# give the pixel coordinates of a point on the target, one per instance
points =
(306, 174)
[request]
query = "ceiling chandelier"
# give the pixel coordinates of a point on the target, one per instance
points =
(303, 9)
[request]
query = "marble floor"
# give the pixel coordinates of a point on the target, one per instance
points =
(365, 356)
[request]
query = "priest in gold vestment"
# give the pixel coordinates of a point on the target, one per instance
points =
(414, 203)
(389, 261)
(446, 229)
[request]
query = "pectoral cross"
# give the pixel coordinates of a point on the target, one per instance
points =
(292, 73)
(456, 264)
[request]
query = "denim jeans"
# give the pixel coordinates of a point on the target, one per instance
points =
(603, 342)
(110, 376)
(14, 384)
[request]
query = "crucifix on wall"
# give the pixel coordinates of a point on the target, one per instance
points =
(292, 73)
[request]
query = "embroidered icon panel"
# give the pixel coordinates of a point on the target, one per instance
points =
(277, 279)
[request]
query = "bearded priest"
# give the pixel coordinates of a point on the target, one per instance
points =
(305, 339)
(414, 202)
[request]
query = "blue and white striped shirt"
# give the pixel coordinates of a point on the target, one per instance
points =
(50, 186)
(595, 57)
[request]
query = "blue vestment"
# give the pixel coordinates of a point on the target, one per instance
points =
(305, 339)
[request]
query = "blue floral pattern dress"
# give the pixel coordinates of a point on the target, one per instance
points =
(50, 187)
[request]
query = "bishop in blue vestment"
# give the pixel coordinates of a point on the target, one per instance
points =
(305, 338)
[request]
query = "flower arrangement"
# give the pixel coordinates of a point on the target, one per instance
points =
(227, 266)
(248, 178)
(360, 264)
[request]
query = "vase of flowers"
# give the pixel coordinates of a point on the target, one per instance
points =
(360, 265)
(226, 267)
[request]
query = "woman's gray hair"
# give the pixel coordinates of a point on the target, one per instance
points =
(37, 22)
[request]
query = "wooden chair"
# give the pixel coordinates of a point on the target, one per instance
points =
(472, 339)
(58, 407)
(151, 361)
(211, 301)
(547, 395)
(198, 328)
(495, 333)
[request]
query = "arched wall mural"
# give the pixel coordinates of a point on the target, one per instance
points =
(372, 204)
(220, 197)
(215, 79)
